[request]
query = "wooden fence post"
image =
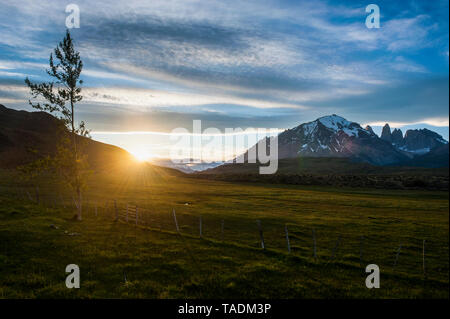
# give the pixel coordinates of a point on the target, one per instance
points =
(287, 238)
(175, 219)
(314, 243)
(80, 207)
(361, 248)
(338, 241)
(423, 257)
(200, 226)
(37, 195)
(396, 256)
(261, 236)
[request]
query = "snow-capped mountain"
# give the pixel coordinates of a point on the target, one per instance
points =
(334, 136)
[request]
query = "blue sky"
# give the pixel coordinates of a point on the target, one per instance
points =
(157, 65)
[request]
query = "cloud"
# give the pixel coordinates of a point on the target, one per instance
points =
(437, 122)
(413, 101)
(258, 57)
(404, 65)
(142, 98)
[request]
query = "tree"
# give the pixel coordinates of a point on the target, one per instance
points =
(59, 97)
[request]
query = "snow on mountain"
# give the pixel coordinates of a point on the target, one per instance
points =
(336, 123)
(335, 136)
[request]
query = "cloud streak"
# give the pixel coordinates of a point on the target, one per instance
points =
(290, 60)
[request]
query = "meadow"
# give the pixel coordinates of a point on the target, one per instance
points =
(353, 227)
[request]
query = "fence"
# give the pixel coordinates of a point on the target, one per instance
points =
(290, 238)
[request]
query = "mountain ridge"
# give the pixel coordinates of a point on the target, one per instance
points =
(328, 136)
(335, 136)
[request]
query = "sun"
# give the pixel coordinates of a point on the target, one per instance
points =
(142, 155)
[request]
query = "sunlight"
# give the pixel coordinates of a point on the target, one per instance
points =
(142, 155)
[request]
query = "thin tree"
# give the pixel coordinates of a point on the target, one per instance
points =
(59, 97)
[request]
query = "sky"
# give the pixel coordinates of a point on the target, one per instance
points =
(152, 66)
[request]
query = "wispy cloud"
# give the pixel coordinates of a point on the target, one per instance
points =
(256, 57)
(438, 122)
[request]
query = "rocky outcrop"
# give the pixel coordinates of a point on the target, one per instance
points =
(397, 137)
(369, 129)
(422, 140)
(386, 133)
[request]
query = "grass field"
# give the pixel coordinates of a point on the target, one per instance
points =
(151, 260)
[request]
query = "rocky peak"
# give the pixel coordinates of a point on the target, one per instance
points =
(386, 133)
(397, 137)
(369, 129)
(422, 140)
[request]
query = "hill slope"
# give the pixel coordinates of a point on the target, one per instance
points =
(25, 136)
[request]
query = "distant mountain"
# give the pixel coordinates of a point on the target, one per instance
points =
(386, 133)
(185, 167)
(418, 141)
(424, 147)
(421, 141)
(334, 136)
(397, 137)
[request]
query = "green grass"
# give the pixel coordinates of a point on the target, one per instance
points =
(159, 263)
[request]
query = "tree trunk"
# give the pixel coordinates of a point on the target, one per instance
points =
(73, 127)
(78, 189)
(80, 205)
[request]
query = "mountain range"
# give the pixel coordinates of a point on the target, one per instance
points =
(334, 136)
(327, 137)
